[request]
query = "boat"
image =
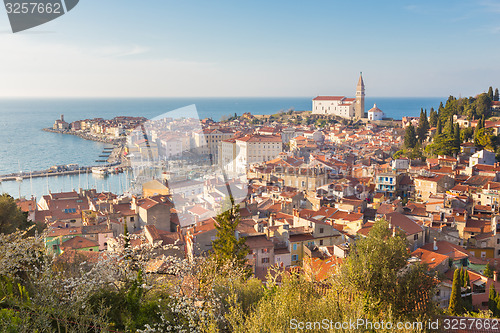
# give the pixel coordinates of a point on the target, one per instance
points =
(99, 171)
(19, 178)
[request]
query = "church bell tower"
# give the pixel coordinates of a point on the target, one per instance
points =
(359, 110)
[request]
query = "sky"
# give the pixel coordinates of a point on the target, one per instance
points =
(162, 48)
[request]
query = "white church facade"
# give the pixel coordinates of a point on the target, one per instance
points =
(342, 106)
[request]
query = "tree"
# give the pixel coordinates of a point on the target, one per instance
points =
(11, 217)
(482, 105)
(496, 313)
(490, 92)
(377, 269)
(410, 138)
(439, 128)
(457, 139)
(466, 134)
(492, 304)
(476, 131)
(441, 145)
(228, 246)
(433, 118)
(449, 128)
(485, 138)
(455, 307)
(488, 272)
(423, 126)
(496, 96)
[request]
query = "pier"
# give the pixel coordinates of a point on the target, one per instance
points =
(51, 173)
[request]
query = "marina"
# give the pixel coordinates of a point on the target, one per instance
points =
(20, 176)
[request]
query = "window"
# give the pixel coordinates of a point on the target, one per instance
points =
(265, 260)
(415, 237)
(295, 247)
(132, 219)
(54, 247)
(321, 230)
(320, 242)
(295, 257)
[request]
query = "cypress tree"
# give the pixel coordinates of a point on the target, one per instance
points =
(455, 308)
(433, 118)
(227, 246)
(490, 92)
(488, 272)
(492, 304)
(496, 96)
(410, 139)
(476, 131)
(423, 126)
(439, 129)
(496, 313)
(457, 140)
(126, 236)
(449, 129)
(441, 107)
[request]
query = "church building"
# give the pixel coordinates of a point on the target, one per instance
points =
(341, 105)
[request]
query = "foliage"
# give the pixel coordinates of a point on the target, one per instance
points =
(11, 217)
(433, 118)
(455, 307)
(492, 304)
(488, 272)
(442, 145)
(227, 246)
(377, 269)
(472, 107)
(466, 134)
(423, 126)
(484, 138)
(410, 137)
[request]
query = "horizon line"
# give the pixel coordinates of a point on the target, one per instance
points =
(166, 97)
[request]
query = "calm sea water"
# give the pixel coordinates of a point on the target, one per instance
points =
(25, 147)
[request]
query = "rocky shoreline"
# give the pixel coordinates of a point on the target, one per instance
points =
(87, 136)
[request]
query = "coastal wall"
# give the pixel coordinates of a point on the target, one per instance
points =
(86, 136)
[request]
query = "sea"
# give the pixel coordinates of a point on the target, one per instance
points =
(25, 147)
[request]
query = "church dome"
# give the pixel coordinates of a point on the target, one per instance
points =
(375, 109)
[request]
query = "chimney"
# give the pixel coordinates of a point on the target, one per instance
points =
(435, 247)
(359, 209)
(394, 232)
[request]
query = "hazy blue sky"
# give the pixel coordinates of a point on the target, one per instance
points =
(255, 48)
